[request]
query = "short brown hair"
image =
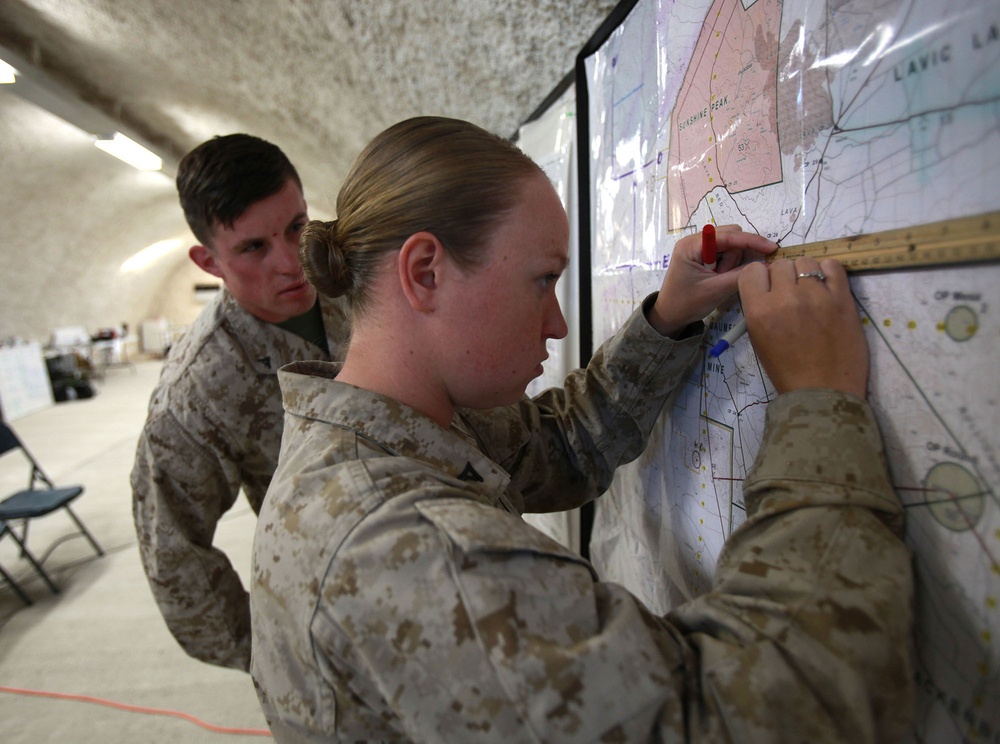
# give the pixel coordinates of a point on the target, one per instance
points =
(221, 178)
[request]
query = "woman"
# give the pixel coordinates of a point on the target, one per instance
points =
(398, 595)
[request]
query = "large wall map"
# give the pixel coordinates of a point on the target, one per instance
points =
(805, 121)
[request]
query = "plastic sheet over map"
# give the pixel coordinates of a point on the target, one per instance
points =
(805, 121)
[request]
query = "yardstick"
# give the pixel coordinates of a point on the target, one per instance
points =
(961, 240)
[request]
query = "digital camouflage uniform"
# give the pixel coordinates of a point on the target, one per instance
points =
(397, 595)
(214, 426)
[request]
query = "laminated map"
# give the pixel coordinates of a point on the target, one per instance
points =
(806, 121)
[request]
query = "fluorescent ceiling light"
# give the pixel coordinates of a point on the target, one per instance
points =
(8, 74)
(130, 152)
(35, 85)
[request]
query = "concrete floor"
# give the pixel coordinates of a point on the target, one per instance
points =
(102, 635)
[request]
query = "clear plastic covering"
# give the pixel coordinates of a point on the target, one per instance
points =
(805, 121)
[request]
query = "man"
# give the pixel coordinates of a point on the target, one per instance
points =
(215, 418)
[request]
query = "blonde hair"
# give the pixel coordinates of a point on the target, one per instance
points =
(443, 176)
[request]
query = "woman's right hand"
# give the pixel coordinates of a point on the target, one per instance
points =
(805, 330)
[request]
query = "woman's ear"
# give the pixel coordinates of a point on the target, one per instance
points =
(420, 262)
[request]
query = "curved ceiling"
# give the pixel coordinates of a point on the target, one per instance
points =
(317, 77)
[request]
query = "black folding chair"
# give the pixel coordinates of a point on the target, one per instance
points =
(39, 499)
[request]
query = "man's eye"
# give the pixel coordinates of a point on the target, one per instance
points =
(550, 279)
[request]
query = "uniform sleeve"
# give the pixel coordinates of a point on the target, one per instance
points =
(812, 608)
(562, 447)
(470, 623)
(180, 489)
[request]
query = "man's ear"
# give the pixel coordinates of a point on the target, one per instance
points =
(205, 260)
(420, 262)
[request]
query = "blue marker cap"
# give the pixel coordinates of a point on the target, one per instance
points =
(720, 347)
(735, 333)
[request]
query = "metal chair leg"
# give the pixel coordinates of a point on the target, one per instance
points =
(38, 566)
(85, 531)
(17, 589)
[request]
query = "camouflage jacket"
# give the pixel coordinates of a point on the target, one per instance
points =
(214, 427)
(397, 595)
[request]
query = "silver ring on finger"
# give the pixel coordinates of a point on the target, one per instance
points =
(813, 274)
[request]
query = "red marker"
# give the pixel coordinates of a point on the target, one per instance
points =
(708, 251)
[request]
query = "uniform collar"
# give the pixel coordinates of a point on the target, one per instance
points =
(272, 347)
(310, 390)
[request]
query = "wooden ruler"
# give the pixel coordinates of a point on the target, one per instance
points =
(957, 241)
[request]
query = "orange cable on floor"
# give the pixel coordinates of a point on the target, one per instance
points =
(135, 709)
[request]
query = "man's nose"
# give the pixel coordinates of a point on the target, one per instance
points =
(287, 258)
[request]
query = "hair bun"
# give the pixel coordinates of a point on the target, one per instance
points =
(323, 259)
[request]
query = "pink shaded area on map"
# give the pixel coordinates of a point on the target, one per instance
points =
(724, 128)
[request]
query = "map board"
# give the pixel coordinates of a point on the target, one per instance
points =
(807, 120)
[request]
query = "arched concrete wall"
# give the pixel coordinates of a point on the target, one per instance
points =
(317, 77)
(71, 219)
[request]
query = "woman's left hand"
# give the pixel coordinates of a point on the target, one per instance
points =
(691, 290)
